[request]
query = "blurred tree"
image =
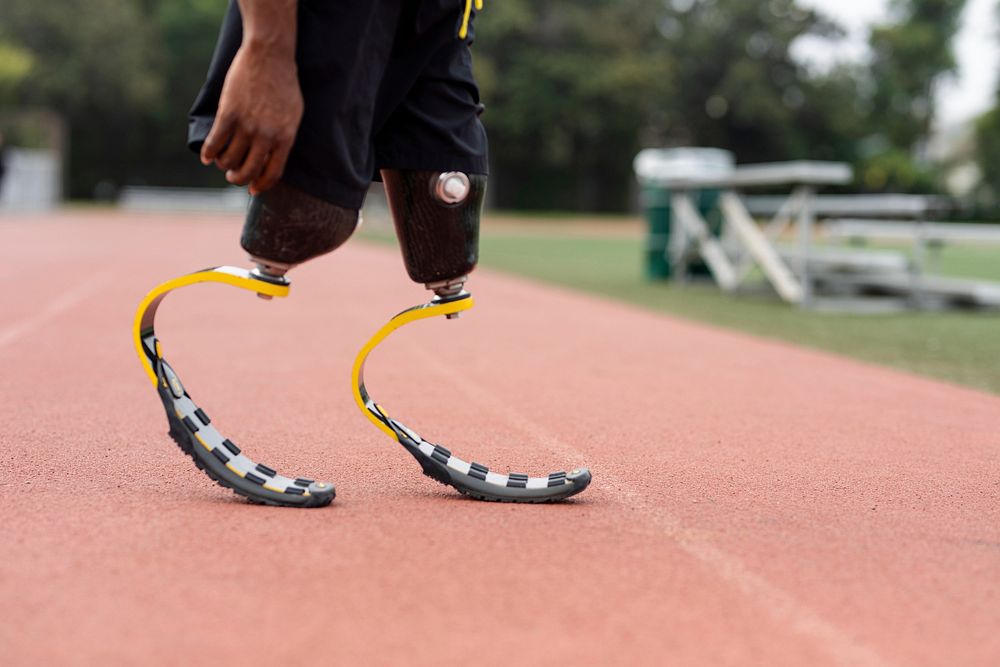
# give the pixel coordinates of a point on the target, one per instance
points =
(102, 54)
(911, 55)
(574, 89)
(988, 156)
(15, 66)
(188, 30)
(737, 86)
(97, 65)
(568, 88)
(123, 73)
(890, 169)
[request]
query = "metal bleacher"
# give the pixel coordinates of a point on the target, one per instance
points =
(784, 249)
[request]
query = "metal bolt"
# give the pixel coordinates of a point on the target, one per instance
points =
(452, 187)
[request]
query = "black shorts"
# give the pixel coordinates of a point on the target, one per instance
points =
(387, 84)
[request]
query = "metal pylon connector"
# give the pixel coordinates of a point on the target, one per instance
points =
(269, 270)
(446, 289)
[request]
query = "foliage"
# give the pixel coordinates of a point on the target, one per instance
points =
(895, 170)
(15, 65)
(97, 67)
(988, 155)
(121, 72)
(569, 87)
(737, 85)
(910, 57)
(85, 59)
(575, 90)
(987, 148)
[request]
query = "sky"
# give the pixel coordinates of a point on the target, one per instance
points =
(977, 50)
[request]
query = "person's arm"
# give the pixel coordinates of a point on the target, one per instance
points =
(261, 104)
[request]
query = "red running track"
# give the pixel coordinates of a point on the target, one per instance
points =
(753, 503)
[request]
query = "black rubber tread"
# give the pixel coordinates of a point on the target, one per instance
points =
(180, 437)
(431, 469)
(521, 501)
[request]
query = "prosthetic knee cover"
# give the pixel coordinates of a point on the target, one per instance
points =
(286, 226)
(437, 221)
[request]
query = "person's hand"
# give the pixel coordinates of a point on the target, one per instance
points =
(258, 118)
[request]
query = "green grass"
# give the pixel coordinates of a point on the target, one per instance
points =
(962, 347)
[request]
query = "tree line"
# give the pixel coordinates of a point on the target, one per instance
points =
(573, 89)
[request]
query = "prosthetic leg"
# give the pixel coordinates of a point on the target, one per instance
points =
(284, 227)
(437, 221)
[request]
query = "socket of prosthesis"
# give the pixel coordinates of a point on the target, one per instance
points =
(286, 226)
(436, 216)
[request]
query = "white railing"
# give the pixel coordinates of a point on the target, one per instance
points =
(204, 200)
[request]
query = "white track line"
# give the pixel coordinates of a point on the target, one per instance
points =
(783, 608)
(56, 307)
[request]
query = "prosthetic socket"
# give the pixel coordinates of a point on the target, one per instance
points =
(436, 216)
(437, 221)
(286, 226)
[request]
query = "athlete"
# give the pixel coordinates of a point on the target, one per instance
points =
(307, 102)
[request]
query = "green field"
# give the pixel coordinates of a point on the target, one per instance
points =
(962, 347)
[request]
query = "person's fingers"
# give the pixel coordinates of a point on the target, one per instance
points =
(232, 156)
(274, 169)
(253, 165)
(218, 137)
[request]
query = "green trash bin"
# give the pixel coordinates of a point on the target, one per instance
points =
(656, 168)
(656, 206)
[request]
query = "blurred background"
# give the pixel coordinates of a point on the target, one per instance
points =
(904, 90)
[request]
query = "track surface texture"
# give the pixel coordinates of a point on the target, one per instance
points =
(753, 503)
